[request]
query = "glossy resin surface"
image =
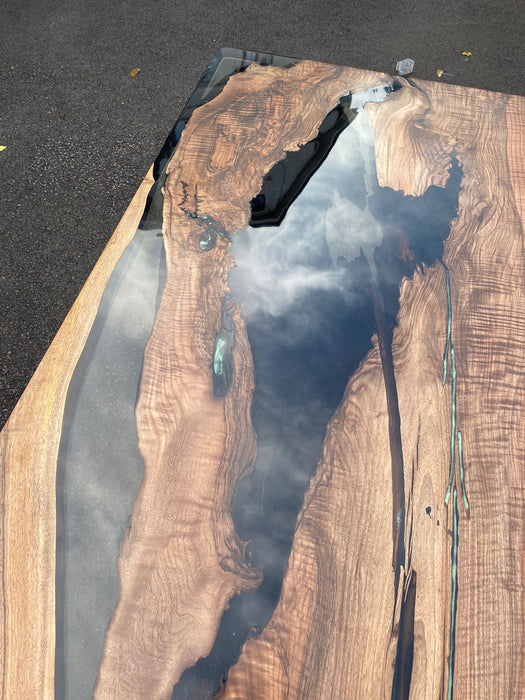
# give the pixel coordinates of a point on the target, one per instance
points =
(277, 450)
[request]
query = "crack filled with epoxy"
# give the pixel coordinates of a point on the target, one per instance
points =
(456, 438)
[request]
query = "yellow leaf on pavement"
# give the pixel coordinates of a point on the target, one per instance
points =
(135, 72)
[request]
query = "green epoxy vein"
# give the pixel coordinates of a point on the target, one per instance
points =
(454, 601)
(452, 426)
(462, 474)
(449, 348)
(207, 240)
(221, 348)
(222, 355)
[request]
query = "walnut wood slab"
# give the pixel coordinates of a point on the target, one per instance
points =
(405, 574)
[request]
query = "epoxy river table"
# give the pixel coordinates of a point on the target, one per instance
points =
(276, 449)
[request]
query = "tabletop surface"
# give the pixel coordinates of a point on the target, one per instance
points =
(276, 449)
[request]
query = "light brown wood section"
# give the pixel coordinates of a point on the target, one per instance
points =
(182, 561)
(28, 455)
(331, 635)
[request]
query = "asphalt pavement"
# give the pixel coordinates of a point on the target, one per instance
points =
(80, 133)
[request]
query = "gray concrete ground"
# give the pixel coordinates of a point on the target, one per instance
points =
(81, 132)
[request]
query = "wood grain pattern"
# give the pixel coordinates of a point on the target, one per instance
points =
(333, 632)
(182, 561)
(28, 455)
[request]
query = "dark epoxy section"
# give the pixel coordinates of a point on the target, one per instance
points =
(286, 180)
(305, 292)
(405, 655)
